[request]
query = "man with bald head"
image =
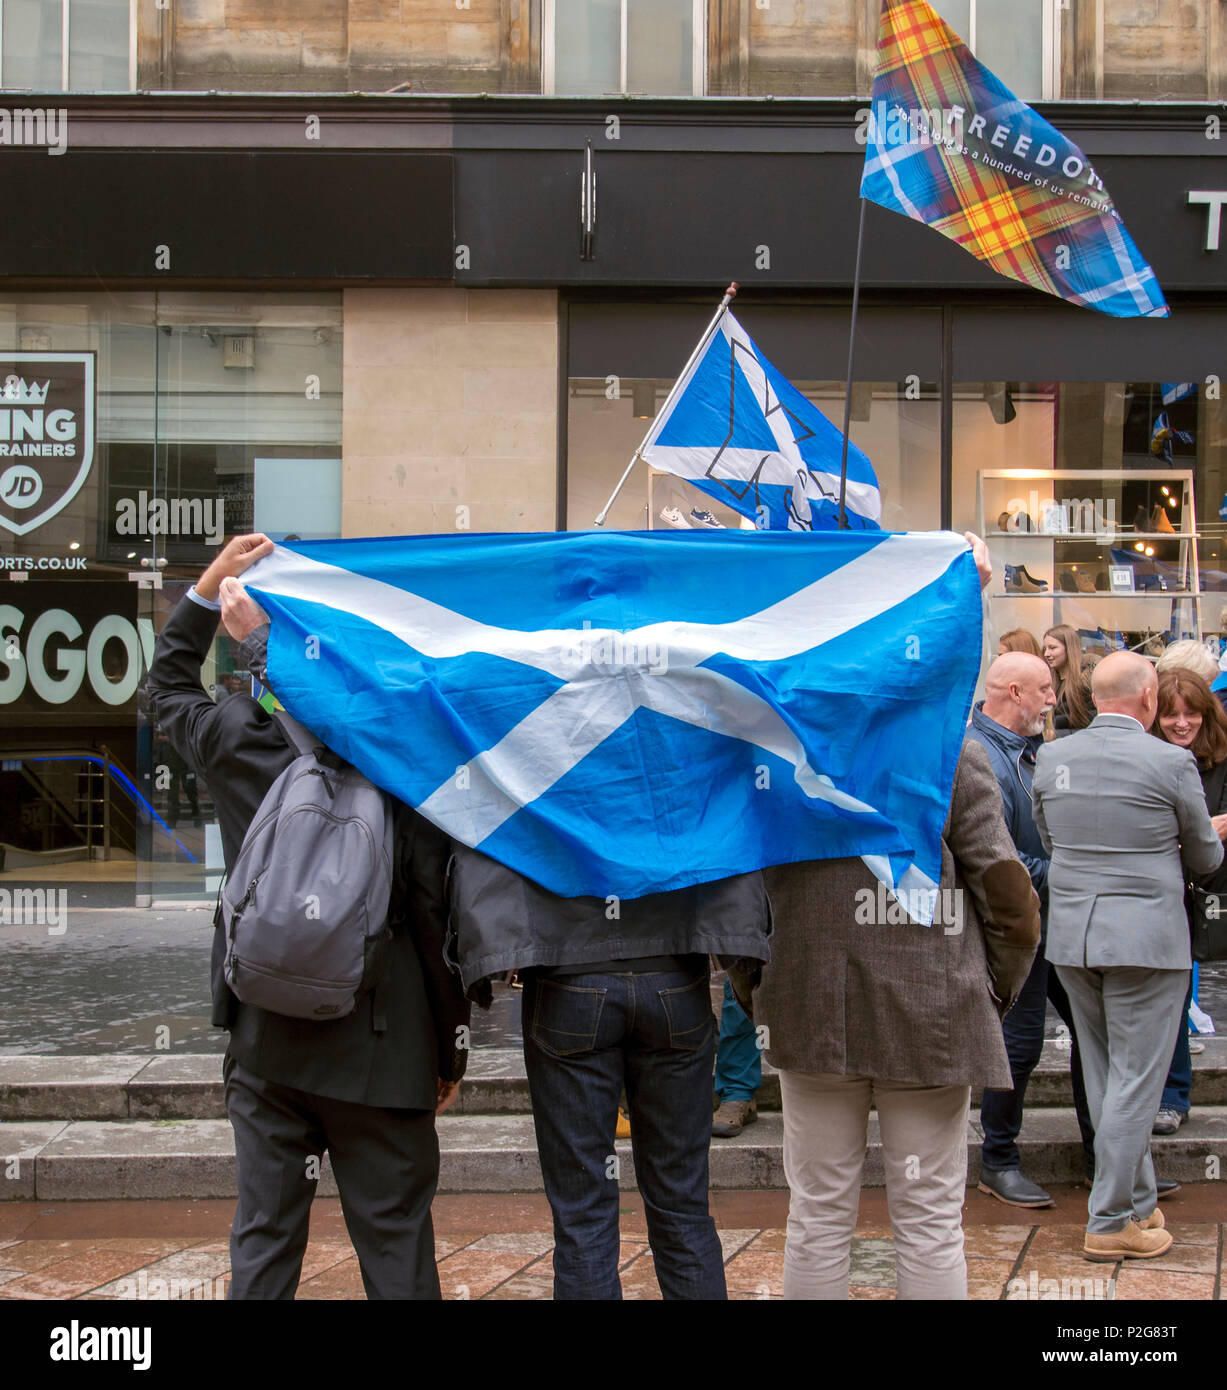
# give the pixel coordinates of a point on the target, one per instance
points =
(1116, 810)
(1009, 723)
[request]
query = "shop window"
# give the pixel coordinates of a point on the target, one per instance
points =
(137, 430)
(1103, 503)
(896, 424)
(604, 47)
(68, 45)
(1018, 40)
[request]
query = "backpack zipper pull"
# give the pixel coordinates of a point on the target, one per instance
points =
(319, 772)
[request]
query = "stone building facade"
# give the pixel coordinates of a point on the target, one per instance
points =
(1109, 49)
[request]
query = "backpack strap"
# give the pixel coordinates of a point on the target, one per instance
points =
(298, 736)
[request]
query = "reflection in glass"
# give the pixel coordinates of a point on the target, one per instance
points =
(587, 47)
(660, 44)
(98, 42)
(33, 37)
(897, 426)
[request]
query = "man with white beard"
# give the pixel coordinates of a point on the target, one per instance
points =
(1009, 722)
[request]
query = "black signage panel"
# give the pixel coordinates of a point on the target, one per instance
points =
(775, 221)
(70, 653)
(227, 214)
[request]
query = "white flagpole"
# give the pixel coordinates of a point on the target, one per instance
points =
(729, 295)
(856, 298)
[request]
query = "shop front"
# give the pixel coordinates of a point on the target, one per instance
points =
(1089, 452)
(503, 338)
(136, 431)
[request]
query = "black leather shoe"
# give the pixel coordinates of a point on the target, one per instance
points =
(1009, 1185)
(1165, 1187)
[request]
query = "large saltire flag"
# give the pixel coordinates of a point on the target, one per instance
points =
(626, 713)
(740, 431)
(950, 145)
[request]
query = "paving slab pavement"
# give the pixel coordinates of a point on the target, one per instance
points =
(498, 1247)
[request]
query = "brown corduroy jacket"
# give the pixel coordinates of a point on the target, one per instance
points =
(850, 993)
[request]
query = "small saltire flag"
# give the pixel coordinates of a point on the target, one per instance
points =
(1161, 437)
(740, 431)
(948, 144)
(628, 712)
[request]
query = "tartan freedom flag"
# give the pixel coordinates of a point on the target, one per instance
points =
(949, 145)
(740, 431)
(631, 712)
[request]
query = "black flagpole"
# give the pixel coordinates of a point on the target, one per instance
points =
(856, 297)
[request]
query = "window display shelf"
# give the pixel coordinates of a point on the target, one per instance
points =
(1076, 561)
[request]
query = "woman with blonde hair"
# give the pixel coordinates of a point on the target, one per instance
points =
(1189, 655)
(1063, 652)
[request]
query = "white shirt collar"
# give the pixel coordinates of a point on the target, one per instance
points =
(1115, 715)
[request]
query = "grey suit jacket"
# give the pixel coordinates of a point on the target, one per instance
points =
(1118, 810)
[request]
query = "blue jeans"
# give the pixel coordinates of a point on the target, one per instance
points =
(585, 1037)
(1180, 1074)
(1001, 1112)
(739, 1060)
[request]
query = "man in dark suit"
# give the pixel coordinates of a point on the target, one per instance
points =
(364, 1088)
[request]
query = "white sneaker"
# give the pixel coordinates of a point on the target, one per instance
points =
(672, 516)
(699, 517)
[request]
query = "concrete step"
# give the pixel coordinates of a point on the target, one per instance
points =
(58, 1160)
(128, 1086)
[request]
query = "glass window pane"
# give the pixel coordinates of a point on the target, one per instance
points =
(902, 438)
(1106, 543)
(1009, 40)
(33, 45)
(587, 47)
(660, 47)
(98, 46)
(956, 13)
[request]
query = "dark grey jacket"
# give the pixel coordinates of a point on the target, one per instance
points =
(502, 921)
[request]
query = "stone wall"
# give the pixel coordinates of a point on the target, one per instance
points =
(1149, 50)
(1118, 49)
(338, 45)
(451, 411)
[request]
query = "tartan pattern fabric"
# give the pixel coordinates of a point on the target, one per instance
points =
(995, 177)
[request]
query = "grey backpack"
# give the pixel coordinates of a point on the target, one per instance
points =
(305, 906)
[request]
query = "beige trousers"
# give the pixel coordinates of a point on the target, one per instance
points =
(924, 1142)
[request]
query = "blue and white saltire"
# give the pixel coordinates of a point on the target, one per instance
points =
(1174, 391)
(738, 430)
(616, 714)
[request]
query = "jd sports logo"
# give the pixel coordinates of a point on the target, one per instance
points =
(46, 434)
